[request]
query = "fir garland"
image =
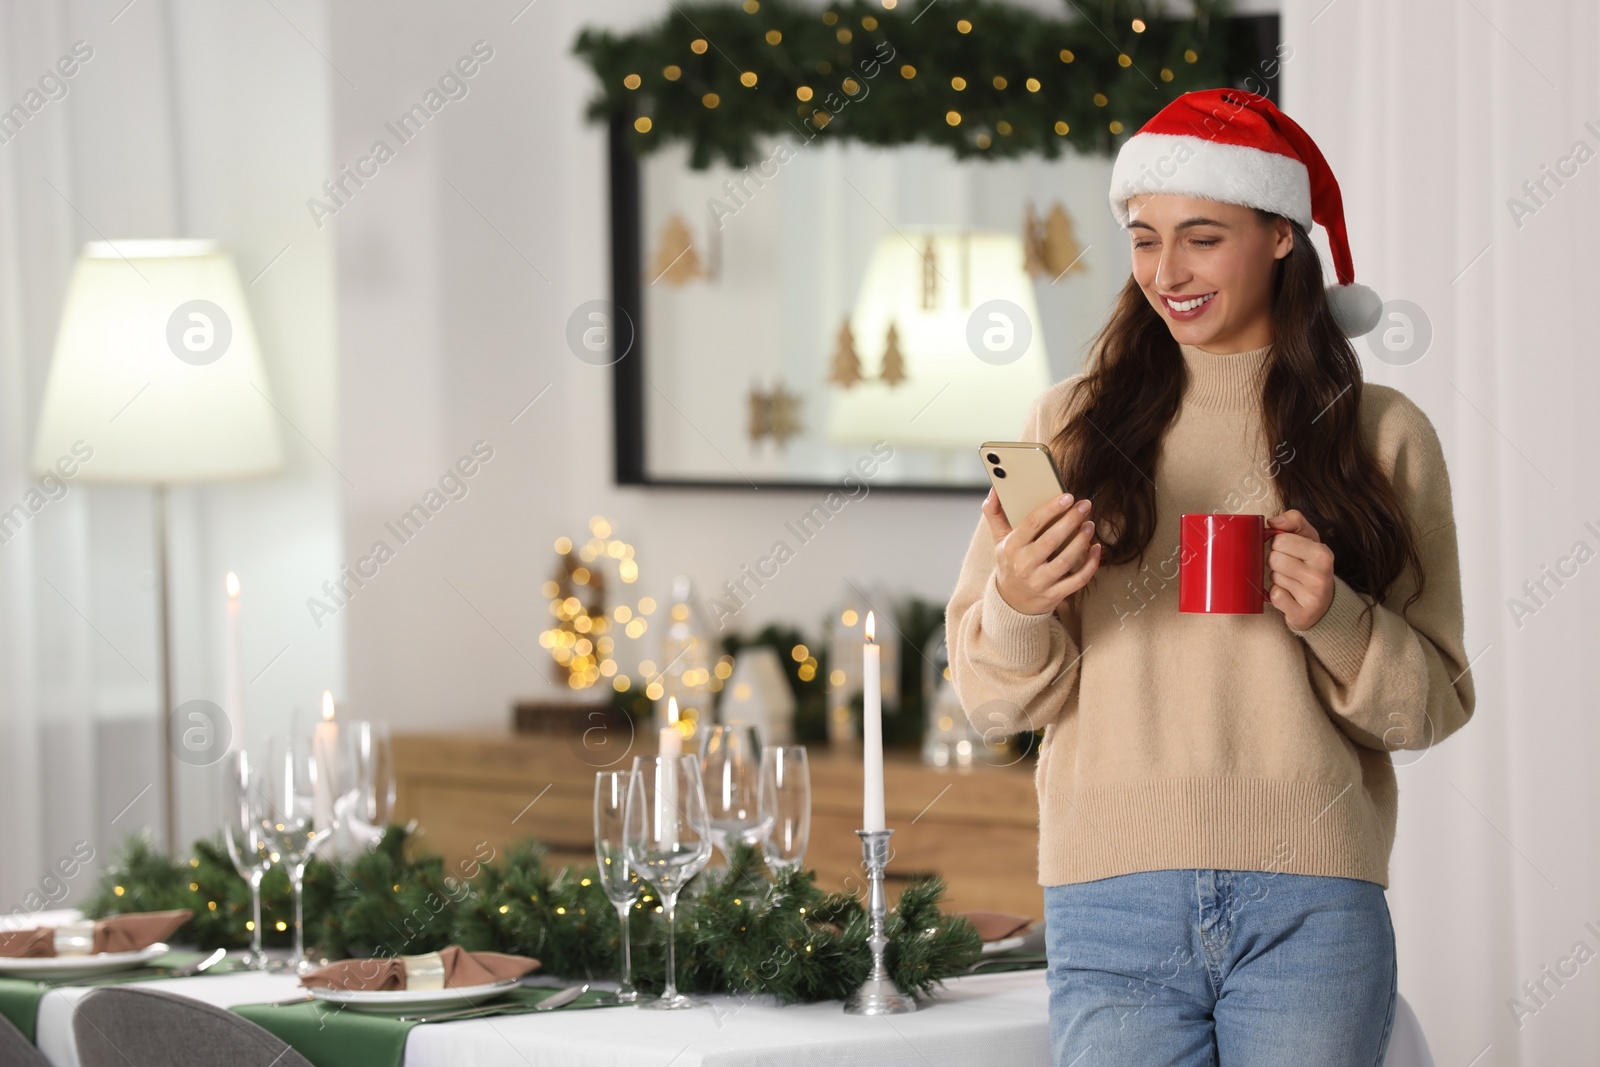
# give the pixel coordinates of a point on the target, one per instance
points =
(737, 932)
(981, 78)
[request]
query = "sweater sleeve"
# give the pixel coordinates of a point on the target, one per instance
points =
(1012, 671)
(1391, 680)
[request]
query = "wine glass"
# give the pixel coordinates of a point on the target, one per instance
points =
(618, 878)
(785, 805)
(292, 828)
(365, 781)
(245, 829)
(730, 764)
(669, 842)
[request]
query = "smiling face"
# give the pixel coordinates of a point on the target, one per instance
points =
(1206, 267)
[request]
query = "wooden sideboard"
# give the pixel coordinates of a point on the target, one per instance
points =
(976, 828)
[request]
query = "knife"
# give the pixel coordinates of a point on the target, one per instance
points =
(566, 996)
(200, 967)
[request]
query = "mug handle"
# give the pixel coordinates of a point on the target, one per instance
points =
(1268, 533)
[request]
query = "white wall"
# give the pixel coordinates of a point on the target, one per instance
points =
(1437, 113)
(447, 330)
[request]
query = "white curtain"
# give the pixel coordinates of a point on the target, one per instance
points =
(1433, 114)
(48, 658)
(189, 119)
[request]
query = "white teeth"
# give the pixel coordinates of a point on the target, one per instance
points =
(1188, 305)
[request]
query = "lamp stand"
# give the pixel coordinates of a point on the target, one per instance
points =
(169, 812)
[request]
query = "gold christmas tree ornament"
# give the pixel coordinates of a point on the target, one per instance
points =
(1050, 247)
(845, 369)
(894, 361)
(676, 262)
(1033, 258)
(1062, 254)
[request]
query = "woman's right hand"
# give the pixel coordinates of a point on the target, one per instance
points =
(1029, 580)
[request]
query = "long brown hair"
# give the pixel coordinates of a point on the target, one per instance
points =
(1310, 397)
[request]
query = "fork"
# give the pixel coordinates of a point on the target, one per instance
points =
(548, 1004)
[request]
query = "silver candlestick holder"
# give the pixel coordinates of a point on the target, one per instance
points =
(878, 995)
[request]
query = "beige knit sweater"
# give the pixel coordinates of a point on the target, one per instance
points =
(1231, 741)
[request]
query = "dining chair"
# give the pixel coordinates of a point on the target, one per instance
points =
(124, 1027)
(16, 1050)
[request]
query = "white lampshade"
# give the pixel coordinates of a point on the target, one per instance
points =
(157, 370)
(978, 398)
(758, 693)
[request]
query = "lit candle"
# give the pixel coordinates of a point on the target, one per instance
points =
(233, 670)
(671, 739)
(871, 733)
(325, 750)
(667, 779)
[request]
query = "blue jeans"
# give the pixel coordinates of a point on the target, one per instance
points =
(1199, 968)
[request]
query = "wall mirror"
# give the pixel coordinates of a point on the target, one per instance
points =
(840, 306)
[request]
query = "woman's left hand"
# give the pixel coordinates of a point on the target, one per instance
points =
(1302, 570)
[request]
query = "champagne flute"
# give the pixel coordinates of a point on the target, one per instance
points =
(618, 878)
(245, 830)
(365, 781)
(785, 805)
(730, 764)
(669, 842)
(292, 832)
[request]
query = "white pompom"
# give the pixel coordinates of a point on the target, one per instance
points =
(1355, 307)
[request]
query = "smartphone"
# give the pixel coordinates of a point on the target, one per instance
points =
(1023, 474)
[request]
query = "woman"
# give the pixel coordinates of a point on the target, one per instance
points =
(1216, 794)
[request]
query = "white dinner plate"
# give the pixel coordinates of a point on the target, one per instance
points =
(1005, 944)
(381, 1000)
(62, 967)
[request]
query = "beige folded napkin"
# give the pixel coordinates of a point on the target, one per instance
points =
(35, 941)
(449, 968)
(118, 933)
(997, 926)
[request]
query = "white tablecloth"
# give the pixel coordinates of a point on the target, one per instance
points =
(997, 1018)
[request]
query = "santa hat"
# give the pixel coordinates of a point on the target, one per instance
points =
(1237, 147)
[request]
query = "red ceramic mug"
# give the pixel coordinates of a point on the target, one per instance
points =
(1222, 566)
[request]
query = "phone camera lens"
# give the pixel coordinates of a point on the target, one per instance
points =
(992, 458)
(999, 472)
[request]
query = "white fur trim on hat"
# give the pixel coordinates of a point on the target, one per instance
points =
(1356, 308)
(1194, 166)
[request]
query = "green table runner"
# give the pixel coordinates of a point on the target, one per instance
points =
(19, 1002)
(329, 1036)
(19, 997)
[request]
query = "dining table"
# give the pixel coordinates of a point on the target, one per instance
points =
(984, 1018)
(974, 1019)
(978, 1019)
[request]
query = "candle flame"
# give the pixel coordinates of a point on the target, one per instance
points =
(672, 710)
(327, 705)
(871, 626)
(233, 584)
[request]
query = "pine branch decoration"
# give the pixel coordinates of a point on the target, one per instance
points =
(985, 79)
(738, 932)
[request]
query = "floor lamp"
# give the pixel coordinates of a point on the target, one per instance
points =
(156, 374)
(965, 322)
